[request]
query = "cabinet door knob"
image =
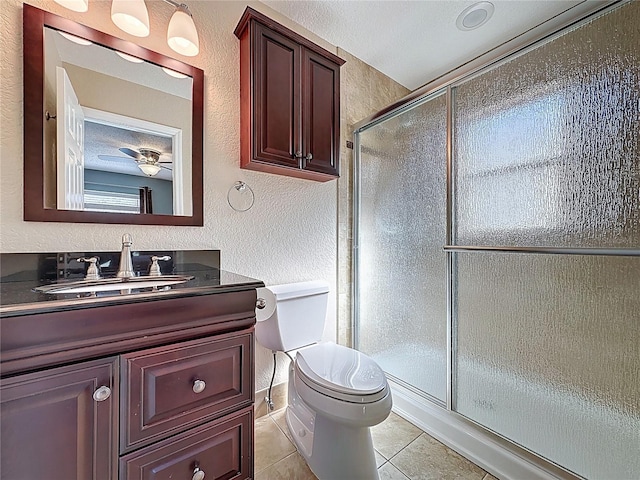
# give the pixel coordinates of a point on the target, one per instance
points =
(198, 474)
(261, 303)
(309, 157)
(298, 155)
(102, 393)
(199, 386)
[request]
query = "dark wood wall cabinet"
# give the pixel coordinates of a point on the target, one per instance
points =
(290, 101)
(143, 391)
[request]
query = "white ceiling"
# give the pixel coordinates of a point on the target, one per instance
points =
(415, 42)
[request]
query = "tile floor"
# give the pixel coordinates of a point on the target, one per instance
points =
(403, 452)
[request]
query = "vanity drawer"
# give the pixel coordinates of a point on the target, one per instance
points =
(221, 450)
(170, 389)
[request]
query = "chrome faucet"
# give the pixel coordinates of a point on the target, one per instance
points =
(125, 270)
(154, 268)
(93, 273)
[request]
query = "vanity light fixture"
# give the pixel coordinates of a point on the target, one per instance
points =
(149, 169)
(182, 35)
(131, 16)
(75, 5)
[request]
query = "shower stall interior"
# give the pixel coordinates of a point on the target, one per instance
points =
(497, 248)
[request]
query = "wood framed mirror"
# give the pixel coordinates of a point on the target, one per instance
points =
(113, 132)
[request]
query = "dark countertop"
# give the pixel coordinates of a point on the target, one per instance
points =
(17, 297)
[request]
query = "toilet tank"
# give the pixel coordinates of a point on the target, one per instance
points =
(293, 316)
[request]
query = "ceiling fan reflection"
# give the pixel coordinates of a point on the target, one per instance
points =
(147, 159)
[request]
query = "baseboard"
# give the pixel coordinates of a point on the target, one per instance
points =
(482, 448)
(278, 397)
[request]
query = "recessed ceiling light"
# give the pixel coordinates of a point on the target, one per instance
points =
(474, 16)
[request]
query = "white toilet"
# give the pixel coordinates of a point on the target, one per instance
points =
(335, 393)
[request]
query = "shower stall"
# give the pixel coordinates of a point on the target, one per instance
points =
(497, 254)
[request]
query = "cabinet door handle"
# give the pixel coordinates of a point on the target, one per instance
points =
(199, 386)
(102, 393)
(298, 155)
(309, 157)
(197, 474)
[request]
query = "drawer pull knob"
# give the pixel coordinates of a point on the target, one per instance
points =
(198, 387)
(261, 303)
(102, 393)
(198, 474)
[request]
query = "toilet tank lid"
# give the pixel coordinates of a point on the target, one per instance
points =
(299, 289)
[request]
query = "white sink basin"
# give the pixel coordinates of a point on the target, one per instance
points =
(113, 284)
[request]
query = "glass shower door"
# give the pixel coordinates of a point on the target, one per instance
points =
(401, 319)
(548, 345)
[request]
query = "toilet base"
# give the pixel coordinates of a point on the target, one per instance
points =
(333, 450)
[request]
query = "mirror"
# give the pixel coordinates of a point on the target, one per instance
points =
(112, 131)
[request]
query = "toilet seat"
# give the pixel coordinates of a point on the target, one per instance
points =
(341, 372)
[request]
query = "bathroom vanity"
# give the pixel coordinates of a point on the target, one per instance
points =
(143, 384)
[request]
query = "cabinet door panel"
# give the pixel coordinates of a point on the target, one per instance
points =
(221, 450)
(158, 386)
(277, 98)
(52, 428)
(321, 113)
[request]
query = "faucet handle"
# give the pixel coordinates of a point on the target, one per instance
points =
(92, 270)
(154, 268)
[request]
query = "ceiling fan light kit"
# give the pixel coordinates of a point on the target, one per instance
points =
(147, 159)
(149, 169)
(132, 16)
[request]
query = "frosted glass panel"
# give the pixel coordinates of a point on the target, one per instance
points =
(402, 268)
(548, 355)
(547, 146)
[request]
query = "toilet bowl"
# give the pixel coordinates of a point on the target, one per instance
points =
(335, 393)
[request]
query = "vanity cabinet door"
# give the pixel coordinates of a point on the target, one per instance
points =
(60, 423)
(169, 389)
(218, 450)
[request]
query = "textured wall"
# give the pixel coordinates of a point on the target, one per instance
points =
(291, 232)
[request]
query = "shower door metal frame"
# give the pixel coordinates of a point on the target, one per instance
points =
(417, 98)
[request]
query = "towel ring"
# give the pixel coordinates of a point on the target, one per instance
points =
(240, 197)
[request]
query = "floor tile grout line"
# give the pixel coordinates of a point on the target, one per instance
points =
(295, 450)
(282, 429)
(406, 446)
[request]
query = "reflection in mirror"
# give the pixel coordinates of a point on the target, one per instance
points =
(121, 131)
(112, 131)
